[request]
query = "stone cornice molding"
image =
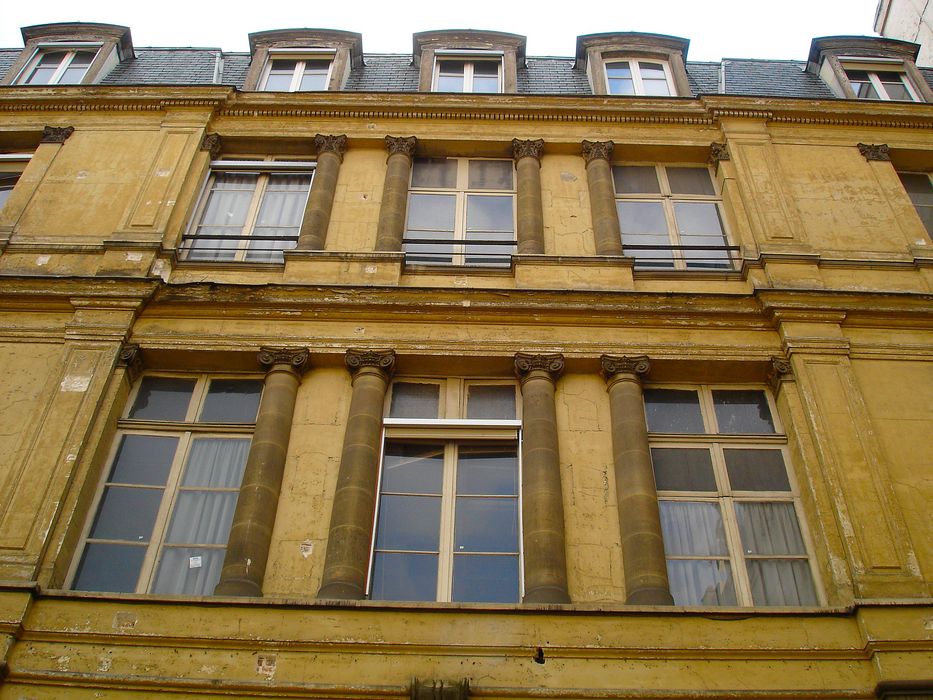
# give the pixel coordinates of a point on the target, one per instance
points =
(875, 151)
(526, 363)
(295, 358)
(404, 145)
(331, 144)
(528, 148)
(597, 150)
(611, 365)
(56, 134)
(382, 360)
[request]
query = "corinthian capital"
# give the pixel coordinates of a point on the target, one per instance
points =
(296, 358)
(597, 150)
(620, 364)
(331, 144)
(530, 148)
(875, 151)
(383, 360)
(401, 144)
(56, 134)
(526, 363)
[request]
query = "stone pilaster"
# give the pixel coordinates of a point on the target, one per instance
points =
(529, 213)
(351, 519)
(251, 532)
(391, 227)
(643, 561)
(313, 232)
(606, 230)
(542, 499)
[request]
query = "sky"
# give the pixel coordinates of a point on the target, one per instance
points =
(716, 28)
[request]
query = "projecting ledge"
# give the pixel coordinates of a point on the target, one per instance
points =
(323, 267)
(573, 272)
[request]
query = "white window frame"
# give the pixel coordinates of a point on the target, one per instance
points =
(874, 66)
(637, 81)
(469, 59)
(71, 49)
(185, 430)
(668, 199)
(453, 432)
(725, 498)
(301, 56)
(262, 168)
(12, 166)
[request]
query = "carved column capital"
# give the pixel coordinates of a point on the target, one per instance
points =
(718, 152)
(526, 363)
(875, 151)
(612, 365)
(779, 372)
(296, 358)
(405, 145)
(131, 357)
(383, 360)
(213, 144)
(597, 150)
(529, 148)
(331, 144)
(56, 134)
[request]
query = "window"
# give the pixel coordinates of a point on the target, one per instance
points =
(447, 521)
(872, 83)
(297, 73)
(58, 66)
(461, 212)
(11, 167)
(163, 514)
(920, 192)
(639, 77)
(250, 211)
(670, 217)
(468, 75)
(729, 515)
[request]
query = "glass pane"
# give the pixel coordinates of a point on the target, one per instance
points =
(404, 576)
(413, 468)
(109, 567)
(431, 212)
(450, 83)
(409, 523)
(487, 470)
(202, 517)
(485, 579)
(636, 179)
(656, 88)
(489, 213)
(483, 84)
(653, 79)
(769, 528)
(918, 187)
(486, 525)
(756, 470)
(188, 571)
(683, 469)
(162, 398)
(620, 79)
(651, 71)
(642, 217)
(46, 68)
(491, 401)
(690, 181)
(278, 82)
(781, 582)
(451, 67)
(897, 91)
(701, 582)
(315, 75)
(434, 173)
(698, 218)
(673, 411)
(692, 528)
(232, 401)
(216, 462)
(490, 174)
(143, 459)
(486, 68)
(742, 411)
(127, 513)
(415, 400)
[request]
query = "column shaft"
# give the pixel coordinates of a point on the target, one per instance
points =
(529, 212)
(391, 227)
(313, 232)
(606, 230)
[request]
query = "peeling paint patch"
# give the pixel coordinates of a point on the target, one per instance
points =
(928, 623)
(62, 662)
(306, 548)
(104, 664)
(124, 621)
(163, 172)
(568, 177)
(43, 260)
(371, 269)
(265, 665)
(74, 382)
(134, 257)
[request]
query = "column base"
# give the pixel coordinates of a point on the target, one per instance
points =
(649, 596)
(546, 594)
(239, 587)
(339, 590)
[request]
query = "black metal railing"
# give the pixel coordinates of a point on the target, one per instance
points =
(197, 247)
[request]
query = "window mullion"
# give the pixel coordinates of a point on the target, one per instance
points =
(62, 67)
(878, 85)
(297, 72)
(445, 563)
(637, 83)
(252, 214)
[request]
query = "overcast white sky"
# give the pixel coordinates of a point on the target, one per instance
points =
(716, 28)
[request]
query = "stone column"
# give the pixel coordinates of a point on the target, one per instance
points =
(542, 500)
(529, 214)
(606, 231)
(391, 226)
(351, 519)
(643, 561)
(251, 532)
(313, 232)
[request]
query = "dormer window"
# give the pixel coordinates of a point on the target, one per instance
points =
(302, 60)
(468, 73)
(632, 63)
(468, 61)
(877, 84)
(297, 72)
(58, 66)
(638, 77)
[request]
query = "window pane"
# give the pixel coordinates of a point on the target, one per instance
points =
(216, 462)
(315, 75)
(653, 79)
(487, 470)
(698, 219)
(673, 411)
(143, 459)
(918, 187)
(489, 213)
(162, 398)
(620, 79)
(769, 528)
(756, 470)
(683, 469)
(109, 567)
(690, 181)
(77, 69)
(450, 83)
(642, 217)
(491, 401)
(701, 582)
(127, 513)
(485, 579)
(490, 174)
(781, 582)
(46, 67)
(451, 67)
(741, 411)
(431, 212)
(414, 400)
(636, 179)
(409, 523)
(897, 91)
(278, 82)
(413, 468)
(188, 571)
(7, 183)
(486, 525)
(486, 68)
(202, 517)
(232, 401)
(404, 576)
(692, 528)
(484, 84)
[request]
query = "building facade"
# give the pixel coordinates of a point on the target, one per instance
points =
(464, 372)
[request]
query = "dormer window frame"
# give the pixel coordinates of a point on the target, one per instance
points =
(301, 56)
(634, 66)
(70, 48)
(596, 53)
(873, 67)
(469, 58)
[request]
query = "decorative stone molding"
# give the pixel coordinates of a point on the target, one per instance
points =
(780, 372)
(131, 358)
(296, 357)
(213, 144)
(597, 150)
(525, 363)
(615, 364)
(530, 148)
(331, 144)
(718, 152)
(56, 134)
(405, 145)
(875, 151)
(380, 359)
(439, 690)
